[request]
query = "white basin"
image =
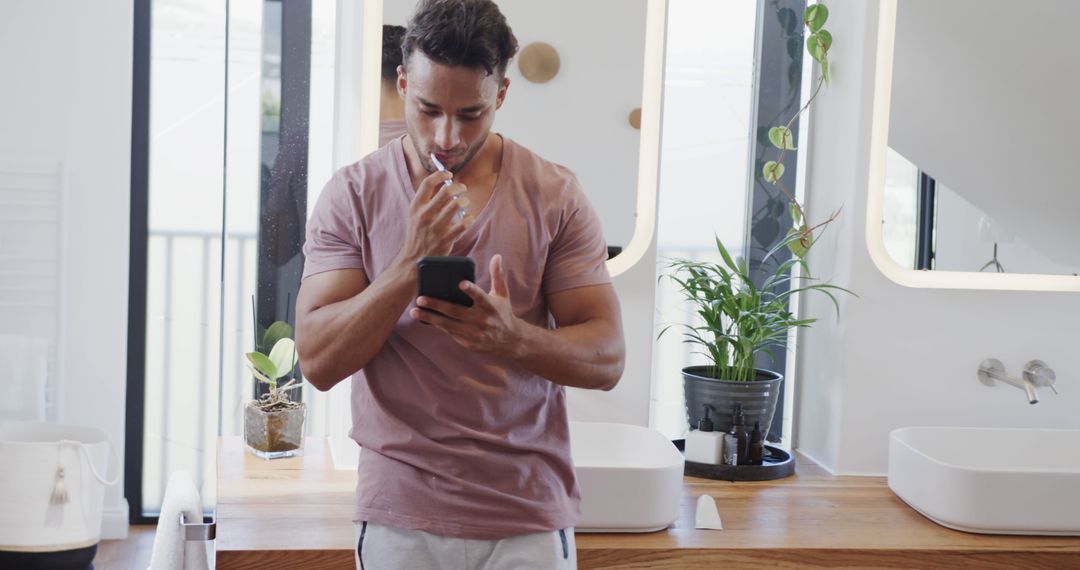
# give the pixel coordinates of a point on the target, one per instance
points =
(990, 480)
(630, 477)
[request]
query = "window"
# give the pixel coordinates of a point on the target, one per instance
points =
(225, 199)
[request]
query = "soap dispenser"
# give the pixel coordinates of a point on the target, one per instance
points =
(704, 445)
(739, 431)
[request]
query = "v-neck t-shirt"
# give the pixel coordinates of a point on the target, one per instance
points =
(459, 443)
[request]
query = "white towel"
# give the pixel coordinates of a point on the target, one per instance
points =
(24, 370)
(171, 551)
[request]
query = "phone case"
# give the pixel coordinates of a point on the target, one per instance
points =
(439, 278)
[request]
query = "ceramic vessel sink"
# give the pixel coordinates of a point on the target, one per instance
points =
(990, 480)
(630, 477)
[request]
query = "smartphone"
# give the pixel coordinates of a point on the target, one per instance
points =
(439, 277)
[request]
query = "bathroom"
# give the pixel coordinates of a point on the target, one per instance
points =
(88, 114)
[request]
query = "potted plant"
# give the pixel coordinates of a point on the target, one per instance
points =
(740, 319)
(273, 423)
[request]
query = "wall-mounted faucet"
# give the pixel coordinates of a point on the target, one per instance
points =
(1036, 375)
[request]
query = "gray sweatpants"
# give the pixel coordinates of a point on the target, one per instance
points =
(380, 547)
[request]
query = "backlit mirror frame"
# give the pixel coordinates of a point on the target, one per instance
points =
(879, 142)
(367, 106)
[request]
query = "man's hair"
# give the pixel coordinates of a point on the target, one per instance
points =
(469, 33)
(391, 50)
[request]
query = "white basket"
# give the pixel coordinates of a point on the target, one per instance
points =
(35, 517)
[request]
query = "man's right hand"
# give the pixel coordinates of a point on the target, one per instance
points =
(434, 221)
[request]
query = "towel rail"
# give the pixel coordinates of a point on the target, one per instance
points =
(198, 531)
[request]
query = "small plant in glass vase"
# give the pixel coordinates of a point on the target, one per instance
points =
(737, 318)
(274, 423)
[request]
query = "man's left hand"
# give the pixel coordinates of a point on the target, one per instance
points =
(488, 326)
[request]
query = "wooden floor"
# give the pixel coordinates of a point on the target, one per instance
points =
(132, 553)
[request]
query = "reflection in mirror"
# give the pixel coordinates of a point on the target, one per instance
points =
(579, 117)
(978, 175)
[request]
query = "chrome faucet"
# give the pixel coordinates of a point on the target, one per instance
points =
(1036, 375)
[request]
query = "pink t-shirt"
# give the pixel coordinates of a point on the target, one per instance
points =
(458, 443)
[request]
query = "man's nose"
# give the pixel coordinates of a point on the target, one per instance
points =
(446, 134)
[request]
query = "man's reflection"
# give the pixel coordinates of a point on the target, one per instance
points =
(391, 106)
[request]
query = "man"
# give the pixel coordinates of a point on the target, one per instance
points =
(461, 412)
(391, 107)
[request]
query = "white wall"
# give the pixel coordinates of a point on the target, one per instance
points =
(900, 356)
(66, 68)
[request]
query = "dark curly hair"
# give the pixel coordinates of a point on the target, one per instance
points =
(469, 33)
(391, 50)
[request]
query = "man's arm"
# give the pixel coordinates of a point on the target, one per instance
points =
(342, 319)
(586, 351)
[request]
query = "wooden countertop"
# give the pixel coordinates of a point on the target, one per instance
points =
(296, 513)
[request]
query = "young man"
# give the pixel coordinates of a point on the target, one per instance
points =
(461, 412)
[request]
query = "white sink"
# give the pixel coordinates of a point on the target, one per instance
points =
(630, 477)
(990, 480)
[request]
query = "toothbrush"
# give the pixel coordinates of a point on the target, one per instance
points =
(441, 168)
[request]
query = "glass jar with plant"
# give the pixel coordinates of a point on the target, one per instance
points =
(274, 423)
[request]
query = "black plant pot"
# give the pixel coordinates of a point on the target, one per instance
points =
(758, 398)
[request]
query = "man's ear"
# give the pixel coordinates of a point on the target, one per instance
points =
(501, 96)
(402, 81)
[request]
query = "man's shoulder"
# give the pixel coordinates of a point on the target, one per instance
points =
(539, 171)
(381, 161)
(360, 175)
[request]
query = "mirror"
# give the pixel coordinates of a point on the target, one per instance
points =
(972, 144)
(576, 110)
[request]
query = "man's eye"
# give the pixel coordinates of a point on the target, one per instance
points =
(470, 117)
(429, 112)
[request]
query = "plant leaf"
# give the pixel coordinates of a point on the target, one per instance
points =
(263, 365)
(814, 48)
(796, 216)
(818, 45)
(277, 331)
(259, 375)
(824, 40)
(814, 16)
(773, 171)
(787, 19)
(794, 49)
(781, 138)
(283, 357)
(825, 71)
(801, 245)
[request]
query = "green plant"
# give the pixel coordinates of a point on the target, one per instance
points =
(818, 44)
(739, 319)
(270, 366)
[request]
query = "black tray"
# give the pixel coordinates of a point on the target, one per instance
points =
(777, 464)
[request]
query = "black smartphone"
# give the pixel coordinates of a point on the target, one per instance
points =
(439, 277)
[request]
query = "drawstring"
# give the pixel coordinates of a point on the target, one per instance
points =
(60, 494)
(86, 455)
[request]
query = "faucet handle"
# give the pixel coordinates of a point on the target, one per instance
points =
(992, 369)
(1039, 374)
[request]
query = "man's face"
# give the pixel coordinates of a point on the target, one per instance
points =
(448, 110)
